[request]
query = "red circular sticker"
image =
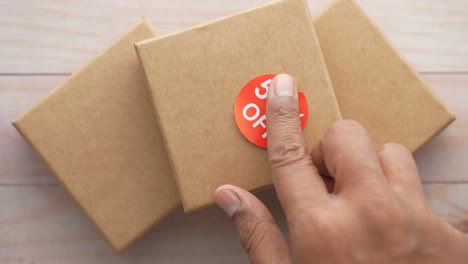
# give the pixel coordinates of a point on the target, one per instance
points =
(250, 109)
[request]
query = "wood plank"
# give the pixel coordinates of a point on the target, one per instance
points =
(450, 202)
(59, 36)
(43, 225)
(442, 160)
(19, 164)
(429, 33)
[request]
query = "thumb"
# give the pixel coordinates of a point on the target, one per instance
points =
(258, 232)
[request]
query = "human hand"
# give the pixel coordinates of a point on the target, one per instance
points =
(375, 213)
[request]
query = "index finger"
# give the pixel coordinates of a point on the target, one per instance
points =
(297, 182)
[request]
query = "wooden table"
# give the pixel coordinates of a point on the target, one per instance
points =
(41, 42)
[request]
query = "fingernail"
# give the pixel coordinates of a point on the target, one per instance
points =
(284, 85)
(228, 201)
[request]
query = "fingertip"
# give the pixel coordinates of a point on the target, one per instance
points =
(343, 127)
(347, 153)
(237, 201)
(222, 188)
(258, 233)
(227, 198)
(394, 149)
(399, 168)
(284, 76)
(393, 155)
(283, 85)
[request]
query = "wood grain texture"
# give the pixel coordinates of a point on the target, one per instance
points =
(19, 164)
(54, 36)
(451, 202)
(43, 225)
(39, 222)
(442, 160)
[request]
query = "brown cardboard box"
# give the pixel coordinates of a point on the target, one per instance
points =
(373, 83)
(97, 132)
(195, 76)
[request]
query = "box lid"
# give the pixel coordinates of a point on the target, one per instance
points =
(195, 76)
(97, 132)
(373, 83)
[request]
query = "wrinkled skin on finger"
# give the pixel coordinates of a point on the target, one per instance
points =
(345, 202)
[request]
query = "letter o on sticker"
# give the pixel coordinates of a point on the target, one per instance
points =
(247, 107)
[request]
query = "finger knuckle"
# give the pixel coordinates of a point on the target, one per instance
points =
(383, 211)
(395, 223)
(395, 215)
(322, 222)
(285, 153)
(373, 204)
(283, 108)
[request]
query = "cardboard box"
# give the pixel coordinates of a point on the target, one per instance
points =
(98, 134)
(195, 76)
(373, 83)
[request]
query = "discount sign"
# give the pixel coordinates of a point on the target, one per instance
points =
(250, 109)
